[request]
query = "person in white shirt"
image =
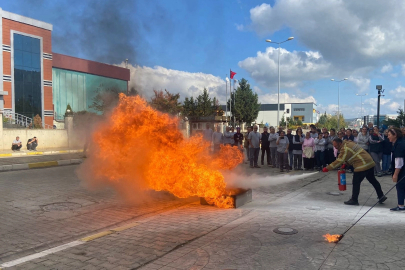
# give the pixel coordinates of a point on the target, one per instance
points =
(17, 144)
(217, 139)
(228, 136)
(207, 133)
(254, 138)
(319, 151)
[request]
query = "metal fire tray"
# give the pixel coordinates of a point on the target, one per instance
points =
(240, 199)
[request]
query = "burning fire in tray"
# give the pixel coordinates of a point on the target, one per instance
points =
(139, 148)
(333, 238)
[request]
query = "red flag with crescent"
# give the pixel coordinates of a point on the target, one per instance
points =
(232, 74)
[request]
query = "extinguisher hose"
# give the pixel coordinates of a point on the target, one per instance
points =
(370, 208)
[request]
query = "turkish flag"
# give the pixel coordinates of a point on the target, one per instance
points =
(232, 74)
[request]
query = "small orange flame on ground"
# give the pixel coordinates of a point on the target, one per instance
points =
(139, 147)
(332, 238)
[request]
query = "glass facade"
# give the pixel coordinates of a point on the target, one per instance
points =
(27, 75)
(79, 89)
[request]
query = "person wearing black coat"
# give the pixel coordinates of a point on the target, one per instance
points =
(386, 158)
(376, 150)
(266, 146)
(398, 155)
(290, 148)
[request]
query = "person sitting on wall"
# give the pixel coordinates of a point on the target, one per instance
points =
(32, 144)
(17, 144)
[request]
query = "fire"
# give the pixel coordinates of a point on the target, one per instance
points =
(141, 148)
(334, 238)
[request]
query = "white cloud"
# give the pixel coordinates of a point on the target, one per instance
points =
(394, 106)
(284, 98)
(386, 68)
(363, 84)
(147, 79)
(394, 75)
(295, 67)
(398, 92)
(347, 33)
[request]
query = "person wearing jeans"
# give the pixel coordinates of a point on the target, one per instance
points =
(265, 147)
(282, 151)
(290, 148)
(298, 139)
(386, 158)
(395, 136)
(376, 153)
(352, 154)
(273, 146)
(246, 143)
(319, 151)
(254, 145)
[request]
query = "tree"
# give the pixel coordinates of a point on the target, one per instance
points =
(205, 104)
(105, 99)
(299, 123)
(245, 105)
(282, 121)
(190, 107)
(166, 102)
(398, 122)
(37, 121)
(323, 119)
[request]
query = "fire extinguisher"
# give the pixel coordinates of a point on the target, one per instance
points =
(342, 179)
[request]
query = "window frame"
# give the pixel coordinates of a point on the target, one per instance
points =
(41, 51)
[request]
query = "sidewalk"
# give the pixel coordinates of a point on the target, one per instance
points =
(204, 237)
(40, 160)
(40, 151)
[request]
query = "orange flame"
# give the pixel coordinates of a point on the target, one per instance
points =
(332, 238)
(141, 148)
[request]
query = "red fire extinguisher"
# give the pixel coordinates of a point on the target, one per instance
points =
(342, 179)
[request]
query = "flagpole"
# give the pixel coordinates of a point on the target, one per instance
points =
(226, 103)
(230, 94)
(234, 97)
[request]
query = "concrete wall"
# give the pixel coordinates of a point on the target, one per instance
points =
(48, 138)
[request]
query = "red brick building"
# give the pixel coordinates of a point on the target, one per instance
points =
(38, 81)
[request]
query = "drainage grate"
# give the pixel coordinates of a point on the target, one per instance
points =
(61, 206)
(333, 193)
(285, 231)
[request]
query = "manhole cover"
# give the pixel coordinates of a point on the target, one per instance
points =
(285, 231)
(333, 193)
(315, 208)
(61, 206)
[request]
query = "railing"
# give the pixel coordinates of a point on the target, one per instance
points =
(16, 120)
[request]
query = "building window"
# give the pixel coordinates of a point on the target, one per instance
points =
(288, 110)
(299, 109)
(27, 75)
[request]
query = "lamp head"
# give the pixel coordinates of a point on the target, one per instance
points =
(345, 79)
(268, 40)
(290, 38)
(332, 80)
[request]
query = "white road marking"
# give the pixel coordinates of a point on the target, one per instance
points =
(41, 254)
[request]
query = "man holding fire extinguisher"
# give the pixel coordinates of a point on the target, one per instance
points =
(352, 154)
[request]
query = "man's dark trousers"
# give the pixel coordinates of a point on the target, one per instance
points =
(358, 177)
(267, 151)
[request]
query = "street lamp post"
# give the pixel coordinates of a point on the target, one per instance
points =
(333, 80)
(278, 92)
(361, 110)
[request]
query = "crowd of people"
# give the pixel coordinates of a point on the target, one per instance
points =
(367, 152)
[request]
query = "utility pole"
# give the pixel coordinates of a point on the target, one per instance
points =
(380, 91)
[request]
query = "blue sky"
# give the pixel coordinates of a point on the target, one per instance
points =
(186, 45)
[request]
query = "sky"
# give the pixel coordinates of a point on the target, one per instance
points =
(185, 46)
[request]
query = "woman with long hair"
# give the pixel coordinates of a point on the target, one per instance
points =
(398, 154)
(308, 152)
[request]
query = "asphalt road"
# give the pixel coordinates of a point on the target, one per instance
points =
(168, 233)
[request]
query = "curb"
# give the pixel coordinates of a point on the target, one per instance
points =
(27, 166)
(40, 153)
